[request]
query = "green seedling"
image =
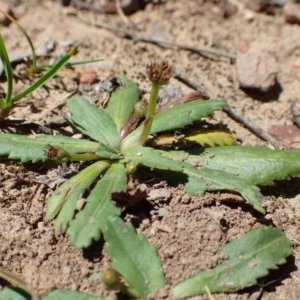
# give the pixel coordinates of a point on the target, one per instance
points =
(7, 103)
(35, 67)
(117, 142)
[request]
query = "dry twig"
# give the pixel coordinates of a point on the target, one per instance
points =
(207, 53)
(180, 76)
(259, 132)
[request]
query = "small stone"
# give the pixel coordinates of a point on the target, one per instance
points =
(256, 70)
(89, 76)
(291, 12)
(288, 135)
(66, 270)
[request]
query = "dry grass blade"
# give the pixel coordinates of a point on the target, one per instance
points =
(16, 280)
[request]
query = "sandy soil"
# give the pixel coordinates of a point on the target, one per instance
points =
(187, 231)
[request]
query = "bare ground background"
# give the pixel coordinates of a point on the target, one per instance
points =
(188, 231)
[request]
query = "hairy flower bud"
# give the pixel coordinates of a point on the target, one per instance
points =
(159, 73)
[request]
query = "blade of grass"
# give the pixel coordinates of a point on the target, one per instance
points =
(8, 73)
(84, 62)
(71, 64)
(48, 75)
(13, 20)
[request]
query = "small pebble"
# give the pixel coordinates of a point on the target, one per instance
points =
(89, 76)
(256, 70)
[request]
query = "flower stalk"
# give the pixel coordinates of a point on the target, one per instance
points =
(159, 74)
(60, 155)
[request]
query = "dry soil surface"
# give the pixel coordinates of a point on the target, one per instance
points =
(187, 231)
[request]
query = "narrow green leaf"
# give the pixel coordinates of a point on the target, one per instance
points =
(48, 75)
(33, 53)
(257, 165)
(69, 295)
(33, 149)
(178, 116)
(90, 221)
(249, 258)
(122, 101)
(8, 73)
(151, 158)
(94, 122)
(201, 180)
(133, 257)
(64, 199)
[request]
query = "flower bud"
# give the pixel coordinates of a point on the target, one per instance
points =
(159, 73)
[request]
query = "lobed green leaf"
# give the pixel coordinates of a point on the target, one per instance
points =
(94, 122)
(32, 149)
(197, 181)
(257, 165)
(64, 199)
(202, 180)
(178, 116)
(91, 219)
(249, 258)
(133, 257)
(151, 158)
(121, 102)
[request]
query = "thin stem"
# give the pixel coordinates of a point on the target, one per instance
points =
(84, 157)
(150, 113)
